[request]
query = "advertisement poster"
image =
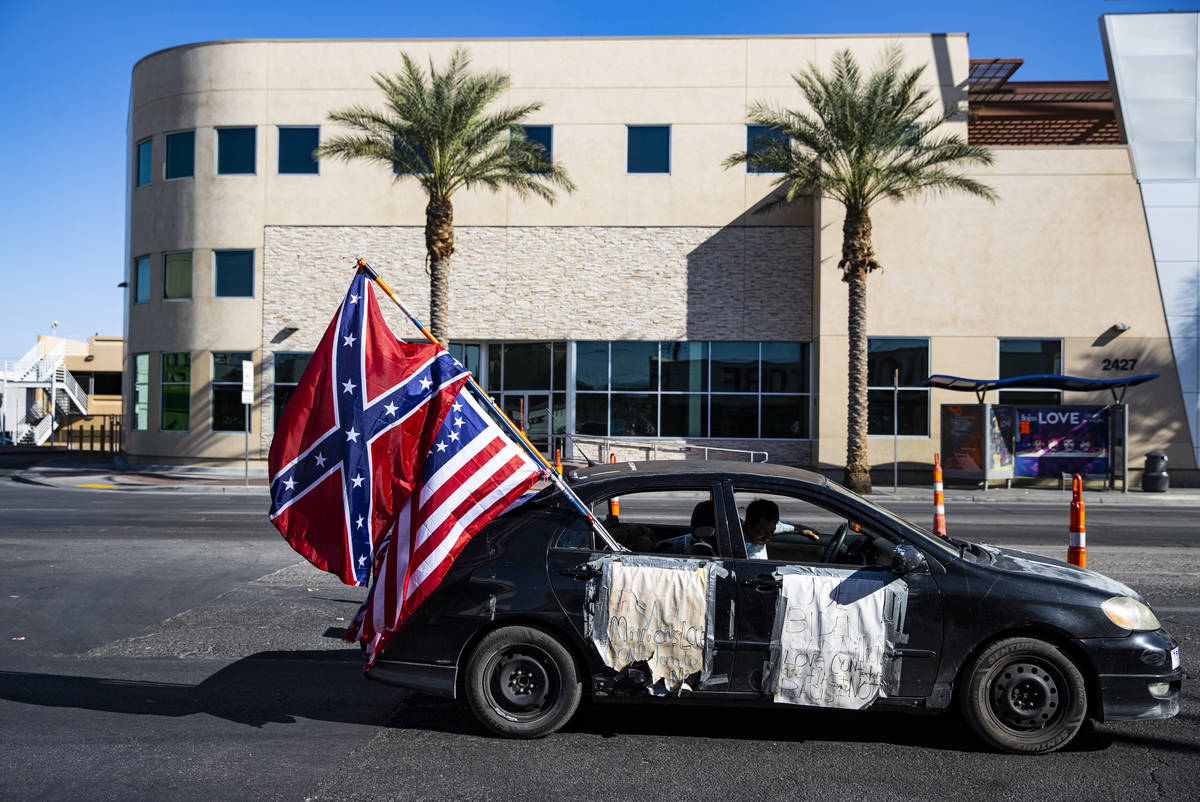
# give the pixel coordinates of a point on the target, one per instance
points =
(1052, 441)
(1001, 442)
(962, 439)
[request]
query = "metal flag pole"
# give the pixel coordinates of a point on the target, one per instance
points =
(503, 419)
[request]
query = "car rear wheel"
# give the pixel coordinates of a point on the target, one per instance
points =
(522, 683)
(1024, 695)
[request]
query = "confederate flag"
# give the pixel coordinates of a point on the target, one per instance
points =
(354, 436)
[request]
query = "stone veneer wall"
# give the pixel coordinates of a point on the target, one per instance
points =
(553, 282)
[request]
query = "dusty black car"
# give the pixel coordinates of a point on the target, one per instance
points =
(840, 604)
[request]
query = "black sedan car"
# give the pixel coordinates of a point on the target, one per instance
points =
(755, 584)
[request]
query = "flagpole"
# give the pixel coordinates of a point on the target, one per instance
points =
(513, 431)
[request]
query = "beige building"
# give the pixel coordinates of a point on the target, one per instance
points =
(651, 306)
(62, 391)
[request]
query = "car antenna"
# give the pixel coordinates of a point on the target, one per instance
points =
(585, 456)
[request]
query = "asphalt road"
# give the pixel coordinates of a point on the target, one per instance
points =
(172, 646)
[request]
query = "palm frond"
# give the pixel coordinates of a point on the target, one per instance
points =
(437, 126)
(863, 137)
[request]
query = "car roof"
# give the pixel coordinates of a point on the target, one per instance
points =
(678, 469)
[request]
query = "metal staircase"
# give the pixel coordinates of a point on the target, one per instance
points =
(60, 394)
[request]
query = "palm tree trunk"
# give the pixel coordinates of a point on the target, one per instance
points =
(439, 245)
(858, 259)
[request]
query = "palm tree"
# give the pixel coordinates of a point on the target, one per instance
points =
(435, 129)
(865, 139)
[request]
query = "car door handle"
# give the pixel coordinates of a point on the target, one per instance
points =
(762, 583)
(580, 572)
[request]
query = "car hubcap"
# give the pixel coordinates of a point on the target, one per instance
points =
(1025, 695)
(521, 683)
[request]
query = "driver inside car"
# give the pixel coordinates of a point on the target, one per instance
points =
(762, 524)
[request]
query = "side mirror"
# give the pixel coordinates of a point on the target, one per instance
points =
(906, 559)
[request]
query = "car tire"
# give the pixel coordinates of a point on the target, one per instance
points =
(1024, 695)
(522, 683)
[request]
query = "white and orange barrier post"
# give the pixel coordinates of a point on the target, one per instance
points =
(614, 503)
(939, 498)
(1077, 551)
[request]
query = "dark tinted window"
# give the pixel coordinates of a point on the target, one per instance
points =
(526, 366)
(296, 146)
(544, 136)
(886, 355)
(734, 368)
(634, 365)
(235, 151)
(649, 149)
(591, 365)
(234, 274)
(145, 151)
(228, 411)
(758, 138)
(784, 368)
(181, 154)
(684, 366)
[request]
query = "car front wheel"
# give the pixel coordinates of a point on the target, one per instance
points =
(1024, 695)
(522, 683)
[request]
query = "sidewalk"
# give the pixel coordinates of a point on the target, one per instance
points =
(72, 472)
(109, 474)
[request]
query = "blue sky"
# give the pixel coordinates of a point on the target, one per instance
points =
(67, 68)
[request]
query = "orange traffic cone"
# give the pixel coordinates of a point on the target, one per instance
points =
(939, 498)
(1077, 551)
(614, 503)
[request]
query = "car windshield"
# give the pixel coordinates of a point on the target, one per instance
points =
(926, 537)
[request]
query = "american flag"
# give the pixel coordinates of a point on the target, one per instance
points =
(348, 449)
(472, 473)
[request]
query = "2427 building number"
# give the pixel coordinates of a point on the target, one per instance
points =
(1117, 364)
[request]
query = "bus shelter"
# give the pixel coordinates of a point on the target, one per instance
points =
(1004, 441)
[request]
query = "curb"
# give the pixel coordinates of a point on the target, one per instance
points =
(26, 479)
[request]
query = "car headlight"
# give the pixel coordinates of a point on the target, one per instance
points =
(1129, 613)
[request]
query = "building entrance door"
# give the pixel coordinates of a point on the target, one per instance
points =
(531, 413)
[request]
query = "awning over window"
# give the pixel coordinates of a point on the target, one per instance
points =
(1041, 381)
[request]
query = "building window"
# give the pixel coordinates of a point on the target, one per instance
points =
(177, 275)
(296, 146)
(233, 274)
(1022, 357)
(176, 391)
(760, 138)
(141, 279)
(648, 149)
(530, 380)
(145, 152)
(544, 136)
(468, 355)
(742, 390)
(907, 359)
(288, 370)
(181, 155)
(228, 411)
(141, 392)
(235, 151)
(403, 145)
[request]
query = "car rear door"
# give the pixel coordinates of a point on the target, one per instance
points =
(575, 562)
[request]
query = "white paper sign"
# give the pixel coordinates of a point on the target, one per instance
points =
(833, 640)
(657, 615)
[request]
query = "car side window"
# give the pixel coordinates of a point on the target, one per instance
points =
(786, 528)
(577, 534)
(677, 521)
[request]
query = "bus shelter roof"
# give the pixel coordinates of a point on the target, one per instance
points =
(1039, 381)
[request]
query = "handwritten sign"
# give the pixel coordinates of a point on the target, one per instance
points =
(833, 638)
(657, 615)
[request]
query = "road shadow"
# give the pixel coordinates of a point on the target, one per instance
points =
(657, 719)
(264, 688)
